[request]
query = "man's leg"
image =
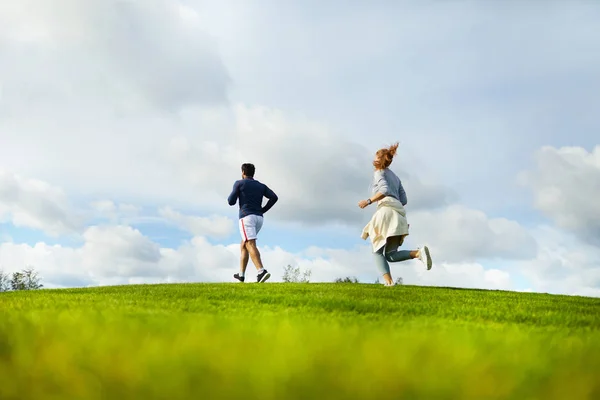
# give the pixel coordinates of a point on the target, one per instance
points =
(241, 276)
(263, 274)
(244, 256)
(250, 227)
(254, 254)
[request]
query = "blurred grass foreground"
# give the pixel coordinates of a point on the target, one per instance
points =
(297, 341)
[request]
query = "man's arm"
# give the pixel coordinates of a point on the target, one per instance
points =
(269, 194)
(235, 192)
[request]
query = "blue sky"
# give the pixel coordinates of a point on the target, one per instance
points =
(154, 106)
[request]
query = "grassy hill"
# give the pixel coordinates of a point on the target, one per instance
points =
(297, 341)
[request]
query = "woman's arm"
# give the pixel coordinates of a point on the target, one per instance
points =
(376, 197)
(402, 195)
(381, 189)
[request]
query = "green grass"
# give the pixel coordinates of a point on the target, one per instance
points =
(297, 341)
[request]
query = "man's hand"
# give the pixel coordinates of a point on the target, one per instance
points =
(269, 194)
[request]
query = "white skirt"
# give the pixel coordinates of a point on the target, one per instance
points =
(388, 220)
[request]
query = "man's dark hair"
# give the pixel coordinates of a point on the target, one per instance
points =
(248, 169)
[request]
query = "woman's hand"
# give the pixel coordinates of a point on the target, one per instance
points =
(363, 203)
(377, 197)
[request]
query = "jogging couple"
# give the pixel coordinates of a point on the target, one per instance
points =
(387, 228)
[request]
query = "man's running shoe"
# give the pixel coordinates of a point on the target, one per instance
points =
(263, 276)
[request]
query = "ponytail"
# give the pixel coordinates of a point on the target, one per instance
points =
(385, 156)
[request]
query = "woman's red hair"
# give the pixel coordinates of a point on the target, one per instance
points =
(384, 157)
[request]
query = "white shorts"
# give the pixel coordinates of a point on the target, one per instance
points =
(250, 226)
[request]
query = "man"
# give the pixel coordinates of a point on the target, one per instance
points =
(250, 193)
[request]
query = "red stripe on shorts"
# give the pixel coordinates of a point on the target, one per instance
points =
(244, 229)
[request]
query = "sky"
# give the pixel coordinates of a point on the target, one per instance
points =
(123, 126)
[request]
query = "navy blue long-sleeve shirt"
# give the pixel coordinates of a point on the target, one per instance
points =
(250, 193)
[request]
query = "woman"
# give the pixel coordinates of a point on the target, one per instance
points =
(388, 226)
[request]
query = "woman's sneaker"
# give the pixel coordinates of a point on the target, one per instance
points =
(425, 256)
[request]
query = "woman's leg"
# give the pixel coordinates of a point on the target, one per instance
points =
(391, 244)
(392, 254)
(382, 265)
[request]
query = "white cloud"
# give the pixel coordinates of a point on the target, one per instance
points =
(465, 275)
(57, 265)
(460, 234)
(109, 255)
(105, 207)
(133, 55)
(121, 255)
(71, 67)
(35, 204)
(215, 225)
(119, 251)
(93, 91)
(566, 188)
(564, 264)
(318, 175)
(114, 212)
